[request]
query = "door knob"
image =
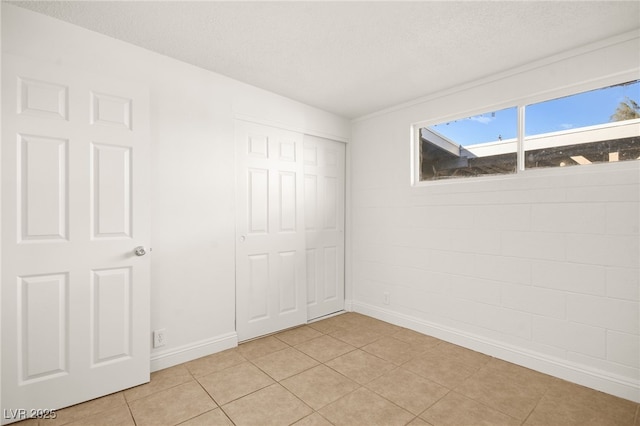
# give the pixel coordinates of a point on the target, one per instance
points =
(140, 251)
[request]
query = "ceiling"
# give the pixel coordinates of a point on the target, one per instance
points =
(352, 58)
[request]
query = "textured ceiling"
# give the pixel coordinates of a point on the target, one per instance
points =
(352, 58)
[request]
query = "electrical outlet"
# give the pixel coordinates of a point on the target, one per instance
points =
(386, 297)
(159, 338)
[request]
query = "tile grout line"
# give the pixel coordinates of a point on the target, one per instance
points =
(435, 402)
(211, 396)
(536, 406)
(130, 412)
(489, 406)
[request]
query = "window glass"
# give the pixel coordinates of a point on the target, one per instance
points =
(590, 127)
(484, 144)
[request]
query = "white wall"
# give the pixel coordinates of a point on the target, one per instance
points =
(192, 137)
(541, 268)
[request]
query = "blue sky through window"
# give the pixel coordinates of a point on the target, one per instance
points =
(482, 128)
(580, 110)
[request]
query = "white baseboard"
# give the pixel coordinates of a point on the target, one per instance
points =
(348, 305)
(623, 387)
(174, 356)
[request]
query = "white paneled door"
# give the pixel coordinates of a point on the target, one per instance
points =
(290, 228)
(324, 177)
(270, 247)
(75, 292)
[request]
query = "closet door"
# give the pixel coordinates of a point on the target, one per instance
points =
(270, 246)
(324, 185)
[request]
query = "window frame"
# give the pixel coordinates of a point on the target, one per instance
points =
(519, 103)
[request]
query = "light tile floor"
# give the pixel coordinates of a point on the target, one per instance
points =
(351, 370)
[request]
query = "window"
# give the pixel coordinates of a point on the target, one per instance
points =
(591, 127)
(480, 145)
